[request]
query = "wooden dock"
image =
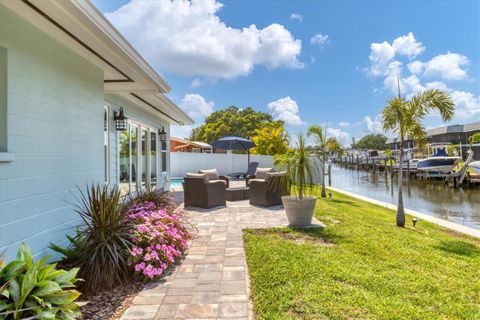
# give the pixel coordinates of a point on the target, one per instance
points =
(385, 164)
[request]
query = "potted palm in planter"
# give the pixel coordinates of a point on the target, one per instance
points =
(301, 169)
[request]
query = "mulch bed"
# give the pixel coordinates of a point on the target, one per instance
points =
(110, 304)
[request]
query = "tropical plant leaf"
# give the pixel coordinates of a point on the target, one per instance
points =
(25, 294)
(14, 291)
(46, 287)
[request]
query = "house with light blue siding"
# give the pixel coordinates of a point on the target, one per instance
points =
(65, 75)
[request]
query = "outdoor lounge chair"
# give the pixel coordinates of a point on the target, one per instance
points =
(252, 167)
(260, 173)
(268, 192)
(213, 175)
(200, 192)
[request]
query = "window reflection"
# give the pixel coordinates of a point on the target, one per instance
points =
(164, 156)
(124, 164)
(144, 158)
(134, 156)
(153, 160)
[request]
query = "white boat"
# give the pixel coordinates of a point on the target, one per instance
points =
(406, 164)
(440, 162)
(475, 167)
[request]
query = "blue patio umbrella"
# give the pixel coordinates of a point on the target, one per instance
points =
(234, 143)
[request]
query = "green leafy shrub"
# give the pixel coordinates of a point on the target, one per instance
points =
(29, 289)
(103, 239)
(70, 254)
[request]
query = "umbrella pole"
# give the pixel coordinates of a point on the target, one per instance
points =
(248, 158)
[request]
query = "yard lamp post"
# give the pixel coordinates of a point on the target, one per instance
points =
(121, 122)
(162, 134)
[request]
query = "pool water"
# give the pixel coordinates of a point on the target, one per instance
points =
(176, 183)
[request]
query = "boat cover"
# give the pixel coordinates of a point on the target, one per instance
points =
(440, 153)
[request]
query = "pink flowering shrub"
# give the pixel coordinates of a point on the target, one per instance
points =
(159, 237)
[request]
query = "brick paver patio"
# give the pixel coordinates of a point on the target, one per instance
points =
(212, 282)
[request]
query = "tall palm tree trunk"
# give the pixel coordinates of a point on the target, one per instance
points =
(400, 209)
(324, 193)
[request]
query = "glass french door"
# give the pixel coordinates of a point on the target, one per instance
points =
(153, 159)
(137, 149)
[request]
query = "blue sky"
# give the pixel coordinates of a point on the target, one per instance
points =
(308, 62)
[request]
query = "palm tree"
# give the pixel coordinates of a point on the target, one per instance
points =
(474, 139)
(404, 117)
(316, 132)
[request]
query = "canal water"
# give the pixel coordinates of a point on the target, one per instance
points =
(431, 197)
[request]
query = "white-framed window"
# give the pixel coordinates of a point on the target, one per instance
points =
(106, 143)
(137, 158)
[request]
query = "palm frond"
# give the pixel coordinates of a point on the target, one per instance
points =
(433, 100)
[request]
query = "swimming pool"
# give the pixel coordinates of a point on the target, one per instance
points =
(176, 183)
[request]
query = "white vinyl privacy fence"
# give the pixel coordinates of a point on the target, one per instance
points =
(183, 162)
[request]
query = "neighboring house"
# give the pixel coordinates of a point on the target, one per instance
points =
(64, 73)
(181, 145)
(452, 134)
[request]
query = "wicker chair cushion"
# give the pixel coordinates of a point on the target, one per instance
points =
(261, 173)
(198, 176)
(256, 180)
(211, 173)
(225, 182)
(276, 174)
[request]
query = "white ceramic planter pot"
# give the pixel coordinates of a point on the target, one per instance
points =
(299, 211)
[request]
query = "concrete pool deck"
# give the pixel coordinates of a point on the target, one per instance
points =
(441, 222)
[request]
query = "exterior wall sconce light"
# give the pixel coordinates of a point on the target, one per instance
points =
(121, 122)
(162, 134)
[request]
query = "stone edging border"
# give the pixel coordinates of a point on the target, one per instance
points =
(441, 222)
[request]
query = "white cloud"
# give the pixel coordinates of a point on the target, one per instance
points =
(373, 125)
(285, 109)
(408, 46)
(196, 106)
(341, 136)
(436, 85)
(380, 56)
(467, 105)
(448, 66)
(196, 83)
(344, 124)
(385, 62)
(182, 132)
(411, 85)
(296, 16)
(319, 39)
(415, 67)
(189, 38)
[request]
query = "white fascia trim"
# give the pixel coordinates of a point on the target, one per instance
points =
(184, 118)
(96, 17)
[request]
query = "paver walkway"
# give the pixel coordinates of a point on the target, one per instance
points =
(211, 283)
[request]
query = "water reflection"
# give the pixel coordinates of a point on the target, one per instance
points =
(431, 197)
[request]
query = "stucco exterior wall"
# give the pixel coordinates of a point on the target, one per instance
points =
(55, 129)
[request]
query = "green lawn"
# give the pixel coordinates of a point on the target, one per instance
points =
(363, 267)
